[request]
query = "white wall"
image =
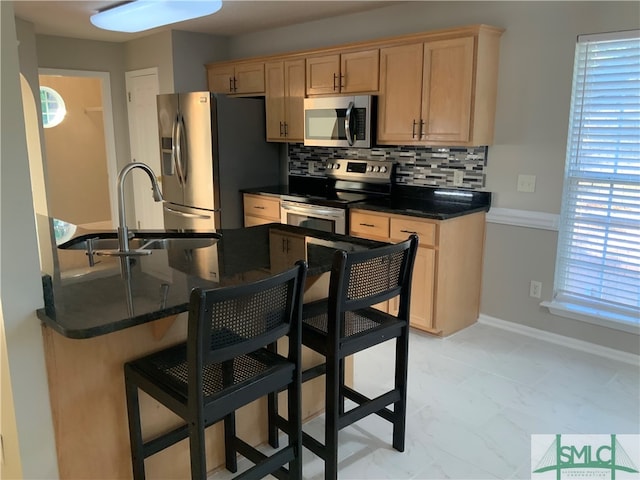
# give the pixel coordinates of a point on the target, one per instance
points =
(534, 91)
(20, 284)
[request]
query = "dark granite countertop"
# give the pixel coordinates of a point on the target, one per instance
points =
(100, 300)
(424, 202)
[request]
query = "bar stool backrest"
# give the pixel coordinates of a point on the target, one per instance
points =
(366, 278)
(226, 323)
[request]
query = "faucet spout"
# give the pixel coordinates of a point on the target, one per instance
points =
(123, 231)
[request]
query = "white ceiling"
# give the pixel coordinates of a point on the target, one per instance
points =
(71, 18)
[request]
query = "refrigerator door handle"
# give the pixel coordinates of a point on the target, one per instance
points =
(183, 154)
(185, 214)
(178, 151)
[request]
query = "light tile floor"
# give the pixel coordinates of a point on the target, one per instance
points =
(475, 398)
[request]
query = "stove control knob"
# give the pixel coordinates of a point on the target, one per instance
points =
(336, 166)
(383, 169)
(369, 168)
(376, 168)
(329, 166)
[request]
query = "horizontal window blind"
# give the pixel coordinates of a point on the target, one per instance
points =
(598, 263)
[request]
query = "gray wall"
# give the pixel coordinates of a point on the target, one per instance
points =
(534, 92)
(20, 284)
(190, 52)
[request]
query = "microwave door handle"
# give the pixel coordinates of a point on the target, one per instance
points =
(347, 122)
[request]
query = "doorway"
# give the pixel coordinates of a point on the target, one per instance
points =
(80, 160)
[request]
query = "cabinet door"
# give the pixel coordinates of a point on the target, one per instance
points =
(360, 71)
(220, 79)
(422, 289)
(262, 206)
(275, 100)
(447, 89)
(323, 75)
(294, 75)
(400, 94)
(249, 78)
(285, 250)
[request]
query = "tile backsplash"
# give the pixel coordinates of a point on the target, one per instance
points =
(415, 166)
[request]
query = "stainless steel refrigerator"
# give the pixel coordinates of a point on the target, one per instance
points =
(211, 147)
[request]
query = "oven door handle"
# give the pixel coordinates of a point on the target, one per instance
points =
(334, 212)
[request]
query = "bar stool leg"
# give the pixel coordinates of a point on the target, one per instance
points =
(135, 429)
(332, 408)
(197, 451)
(230, 457)
(400, 407)
(272, 409)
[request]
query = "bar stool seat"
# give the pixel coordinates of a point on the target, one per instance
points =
(227, 362)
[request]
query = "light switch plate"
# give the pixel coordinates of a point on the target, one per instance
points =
(527, 183)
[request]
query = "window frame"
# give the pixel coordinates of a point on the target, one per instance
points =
(584, 173)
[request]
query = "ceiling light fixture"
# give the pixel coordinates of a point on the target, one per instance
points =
(140, 15)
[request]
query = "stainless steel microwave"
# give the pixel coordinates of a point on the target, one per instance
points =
(344, 121)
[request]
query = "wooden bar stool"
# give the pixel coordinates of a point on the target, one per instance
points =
(346, 323)
(225, 364)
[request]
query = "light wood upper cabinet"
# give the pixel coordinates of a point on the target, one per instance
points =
(446, 90)
(439, 92)
(236, 79)
(434, 88)
(352, 72)
(285, 100)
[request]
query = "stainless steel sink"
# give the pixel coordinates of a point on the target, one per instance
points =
(106, 244)
(98, 245)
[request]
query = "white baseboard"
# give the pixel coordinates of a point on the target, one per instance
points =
(561, 340)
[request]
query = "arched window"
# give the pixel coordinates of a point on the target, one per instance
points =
(53, 108)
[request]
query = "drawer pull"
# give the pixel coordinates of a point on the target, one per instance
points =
(258, 207)
(367, 225)
(408, 231)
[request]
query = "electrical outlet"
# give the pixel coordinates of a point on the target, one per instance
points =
(535, 289)
(458, 178)
(527, 183)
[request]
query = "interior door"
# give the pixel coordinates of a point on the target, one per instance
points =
(142, 89)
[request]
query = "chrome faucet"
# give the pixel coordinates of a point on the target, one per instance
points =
(123, 231)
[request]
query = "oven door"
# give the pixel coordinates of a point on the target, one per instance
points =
(327, 219)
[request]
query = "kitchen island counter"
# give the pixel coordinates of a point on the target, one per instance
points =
(102, 301)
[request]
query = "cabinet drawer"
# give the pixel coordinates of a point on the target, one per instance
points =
(367, 225)
(401, 228)
(261, 206)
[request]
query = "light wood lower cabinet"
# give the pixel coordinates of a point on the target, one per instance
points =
(260, 209)
(446, 286)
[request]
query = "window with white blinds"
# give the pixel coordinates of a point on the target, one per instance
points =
(598, 262)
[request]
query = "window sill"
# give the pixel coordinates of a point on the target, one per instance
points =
(593, 316)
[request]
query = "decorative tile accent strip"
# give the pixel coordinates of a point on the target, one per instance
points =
(416, 166)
